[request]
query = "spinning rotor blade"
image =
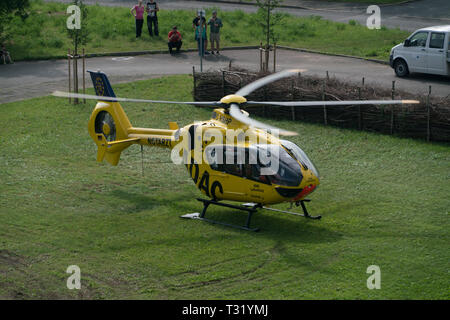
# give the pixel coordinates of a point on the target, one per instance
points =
(102, 98)
(330, 103)
(246, 90)
(236, 113)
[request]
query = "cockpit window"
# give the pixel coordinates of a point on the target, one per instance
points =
(253, 162)
(300, 155)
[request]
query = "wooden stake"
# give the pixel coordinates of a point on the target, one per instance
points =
(393, 107)
(223, 83)
(293, 99)
(84, 76)
(274, 56)
(260, 57)
(70, 76)
(428, 115)
(324, 106)
(359, 110)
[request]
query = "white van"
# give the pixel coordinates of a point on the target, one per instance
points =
(425, 51)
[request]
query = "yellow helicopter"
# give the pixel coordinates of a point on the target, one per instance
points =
(229, 157)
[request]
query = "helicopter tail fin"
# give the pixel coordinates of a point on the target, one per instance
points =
(101, 84)
(108, 124)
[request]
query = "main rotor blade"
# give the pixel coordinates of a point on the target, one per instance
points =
(246, 90)
(330, 103)
(103, 98)
(236, 113)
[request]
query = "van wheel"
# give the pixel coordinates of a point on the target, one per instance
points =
(401, 68)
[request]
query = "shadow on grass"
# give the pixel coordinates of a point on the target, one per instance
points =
(280, 226)
(275, 226)
(139, 202)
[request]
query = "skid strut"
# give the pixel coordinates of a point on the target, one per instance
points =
(305, 212)
(201, 216)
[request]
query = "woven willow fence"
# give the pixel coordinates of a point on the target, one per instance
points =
(428, 120)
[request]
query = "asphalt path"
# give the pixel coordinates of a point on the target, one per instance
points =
(407, 16)
(24, 80)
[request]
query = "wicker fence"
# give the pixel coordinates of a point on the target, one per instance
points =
(429, 120)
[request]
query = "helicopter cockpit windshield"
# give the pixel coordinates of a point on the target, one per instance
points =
(300, 155)
(265, 163)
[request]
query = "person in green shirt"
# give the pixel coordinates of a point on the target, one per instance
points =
(214, 36)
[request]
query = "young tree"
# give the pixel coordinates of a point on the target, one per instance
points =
(268, 19)
(79, 36)
(9, 9)
(78, 33)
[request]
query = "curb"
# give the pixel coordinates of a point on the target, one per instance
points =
(138, 53)
(334, 54)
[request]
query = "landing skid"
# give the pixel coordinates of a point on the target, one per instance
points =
(249, 207)
(201, 216)
(305, 212)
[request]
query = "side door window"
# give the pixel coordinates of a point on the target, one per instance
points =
(419, 39)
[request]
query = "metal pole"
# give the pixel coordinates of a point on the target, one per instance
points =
(201, 41)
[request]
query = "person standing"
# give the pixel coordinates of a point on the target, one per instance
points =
(152, 17)
(174, 40)
(138, 13)
(215, 24)
(196, 25)
(200, 36)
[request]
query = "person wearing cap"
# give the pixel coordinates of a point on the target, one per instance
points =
(174, 39)
(214, 36)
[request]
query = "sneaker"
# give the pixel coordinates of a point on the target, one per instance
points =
(212, 52)
(217, 52)
(206, 52)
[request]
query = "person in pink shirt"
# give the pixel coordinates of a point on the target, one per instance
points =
(138, 12)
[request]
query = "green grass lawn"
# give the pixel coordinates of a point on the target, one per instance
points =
(384, 201)
(43, 35)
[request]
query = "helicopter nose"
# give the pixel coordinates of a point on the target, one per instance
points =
(305, 191)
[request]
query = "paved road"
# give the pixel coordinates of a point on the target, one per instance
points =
(32, 79)
(409, 16)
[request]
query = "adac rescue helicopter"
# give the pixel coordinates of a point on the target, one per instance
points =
(244, 176)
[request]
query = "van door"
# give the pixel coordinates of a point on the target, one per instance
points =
(437, 57)
(416, 52)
